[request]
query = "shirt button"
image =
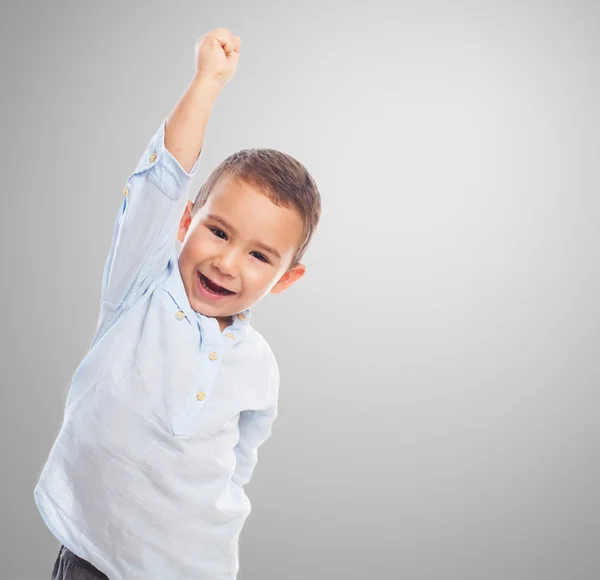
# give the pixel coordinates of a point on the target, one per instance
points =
(153, 157)
(229, 335)
(200, 395)
(241, 316)
(180, 315)
(125, 191)
(212, 356)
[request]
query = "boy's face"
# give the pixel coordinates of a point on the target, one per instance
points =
(230, 253)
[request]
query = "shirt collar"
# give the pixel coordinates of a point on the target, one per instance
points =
(210, 325)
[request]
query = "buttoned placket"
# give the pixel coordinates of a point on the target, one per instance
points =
(214, 346)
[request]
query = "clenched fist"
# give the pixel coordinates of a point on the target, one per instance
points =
(217, 53)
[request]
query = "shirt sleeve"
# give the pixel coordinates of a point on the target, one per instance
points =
(146, 224)
(255, 428)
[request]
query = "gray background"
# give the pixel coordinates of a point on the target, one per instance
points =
(439, 410)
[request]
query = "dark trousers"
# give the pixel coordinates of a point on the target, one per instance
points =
(70, 566)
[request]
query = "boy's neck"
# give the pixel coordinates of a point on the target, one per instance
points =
(224, 322)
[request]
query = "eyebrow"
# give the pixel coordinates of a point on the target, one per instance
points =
(269, 249)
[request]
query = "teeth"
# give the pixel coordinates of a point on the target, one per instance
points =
(202, 281)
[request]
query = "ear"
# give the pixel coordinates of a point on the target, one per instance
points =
(289, 278)
(186, 220)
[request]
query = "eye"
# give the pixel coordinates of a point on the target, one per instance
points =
(262, 258)
(213, 230)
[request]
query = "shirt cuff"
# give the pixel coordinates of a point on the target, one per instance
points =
(166, 172)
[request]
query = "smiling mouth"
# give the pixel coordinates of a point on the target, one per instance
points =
(213, 288)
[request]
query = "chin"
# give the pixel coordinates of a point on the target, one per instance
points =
(208, 310)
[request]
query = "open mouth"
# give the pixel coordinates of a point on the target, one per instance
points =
(212, 288)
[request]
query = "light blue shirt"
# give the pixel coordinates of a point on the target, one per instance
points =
(165, 413)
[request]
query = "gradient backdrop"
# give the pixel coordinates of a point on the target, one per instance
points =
(439, 410)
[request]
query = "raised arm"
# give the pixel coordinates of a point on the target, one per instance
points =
(156, 193)
(186, 125)
(217, 54)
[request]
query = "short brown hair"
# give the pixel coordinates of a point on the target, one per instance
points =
(283, 179)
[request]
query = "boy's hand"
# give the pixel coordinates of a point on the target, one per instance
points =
(217, 53)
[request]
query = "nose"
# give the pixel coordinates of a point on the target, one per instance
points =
(226, 263)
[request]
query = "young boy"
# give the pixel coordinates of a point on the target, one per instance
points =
(167, 410)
